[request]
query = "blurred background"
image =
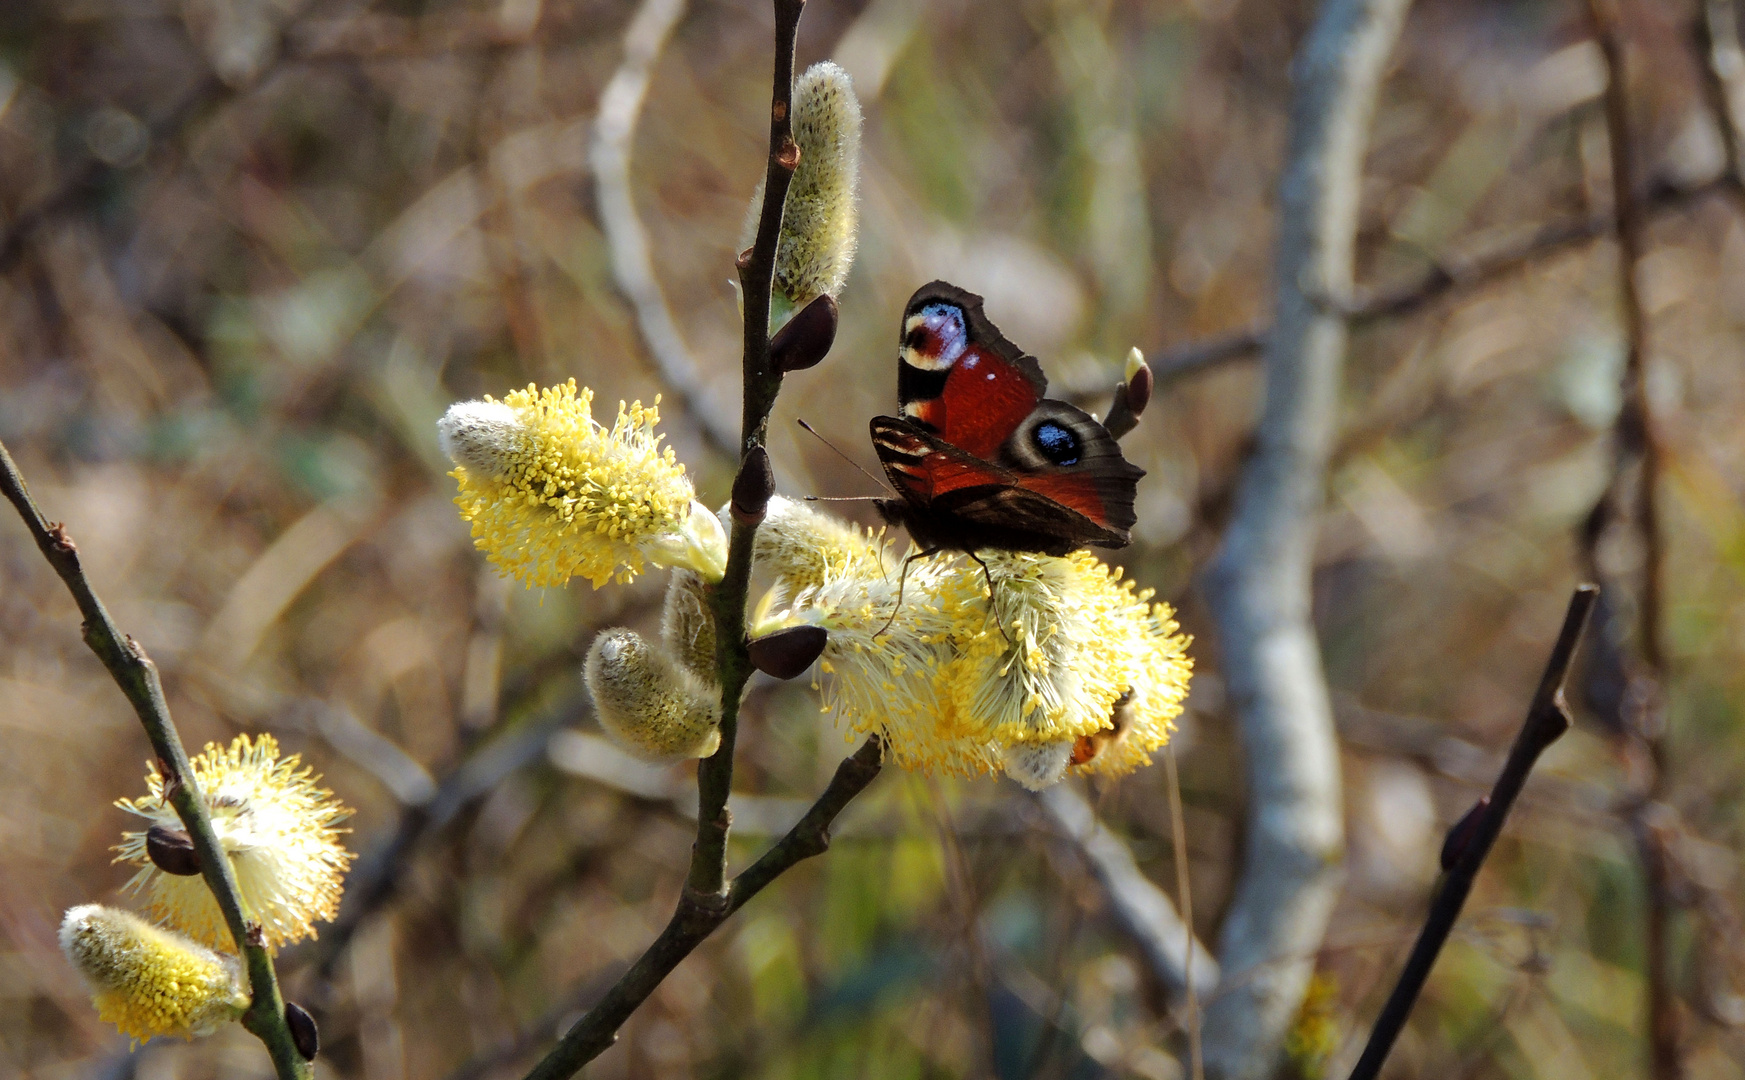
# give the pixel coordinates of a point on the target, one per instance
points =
(253, 248)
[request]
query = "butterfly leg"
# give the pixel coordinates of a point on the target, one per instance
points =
(903, 580)
(993, 600)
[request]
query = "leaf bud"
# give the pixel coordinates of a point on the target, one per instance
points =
(787, 653)
(753, 486)
(807, 337)
(171, 851)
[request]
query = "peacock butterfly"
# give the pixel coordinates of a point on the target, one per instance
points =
(979, 458)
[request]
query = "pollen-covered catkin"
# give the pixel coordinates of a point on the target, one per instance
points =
(149, 981)
(552, 494)
(648, 701)
(280, 829)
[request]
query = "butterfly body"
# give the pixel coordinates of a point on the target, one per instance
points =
(979, 457)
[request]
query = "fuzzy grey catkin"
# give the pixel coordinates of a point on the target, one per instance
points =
(820, 218)
(648, 701)
(687, 627)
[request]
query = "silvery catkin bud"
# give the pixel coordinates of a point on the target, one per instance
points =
(819, 220)
(647, 701)
(687, 626)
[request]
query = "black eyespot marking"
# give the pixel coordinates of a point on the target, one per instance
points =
(1056, 442)
(917, 339)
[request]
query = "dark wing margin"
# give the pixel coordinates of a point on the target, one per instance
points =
(982, 330)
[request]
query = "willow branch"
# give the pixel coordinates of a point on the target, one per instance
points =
(697, 918)
(1259, 583)
(1143, 910)
(1451, 278)
(626, 239)
(136, 675)
(1472, 838)
(707, 899)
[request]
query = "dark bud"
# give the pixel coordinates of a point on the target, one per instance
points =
(743, 259)
(753, 486)
(1131, 397)
(1139, 387)
(787, 653)
(171, 851)
(806, 338)
(303, 1030)
(1461, 835)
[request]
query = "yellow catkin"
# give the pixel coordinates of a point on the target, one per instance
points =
(149, 981)
(279, 827)
(1064, 661)
(552, 494)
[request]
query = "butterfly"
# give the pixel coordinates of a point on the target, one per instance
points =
(979, 457)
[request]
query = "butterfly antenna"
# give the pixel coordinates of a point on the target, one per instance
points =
(838, 452)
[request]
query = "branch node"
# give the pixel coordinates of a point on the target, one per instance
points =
(789, 155)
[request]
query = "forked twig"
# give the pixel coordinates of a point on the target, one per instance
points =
(136, 675)
(1471, 839)
(708, 897)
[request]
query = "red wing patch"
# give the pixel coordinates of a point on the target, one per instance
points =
(985, 399)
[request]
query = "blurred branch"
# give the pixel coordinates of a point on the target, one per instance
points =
(1143, 909)
(1452, 277)
(696, 919)
(1471, 839)
(86, 176)
(376, 878)
(1721, 62)
(1631, 501)
(1258, 585)
(136, 675)
(632, 267)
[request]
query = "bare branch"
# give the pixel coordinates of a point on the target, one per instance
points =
(136, 675)
(1471, 838)
(632, 266)
(1259, 583)
(1452, 277)
(698, 916)
(1631, 500)
(1143, 909)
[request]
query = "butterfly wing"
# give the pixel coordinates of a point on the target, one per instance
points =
(958, 376)
(979, 456)
(954, 499)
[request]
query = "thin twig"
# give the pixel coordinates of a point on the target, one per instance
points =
(1633, 497)
(1721, 61)
(136, 675)
(1142, 909)
(1258, 585)
(695, 921)
(1547, 720)
(1178, 834)
(632, 267)
(1451, 278)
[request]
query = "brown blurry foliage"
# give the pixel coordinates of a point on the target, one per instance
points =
(253, 248)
